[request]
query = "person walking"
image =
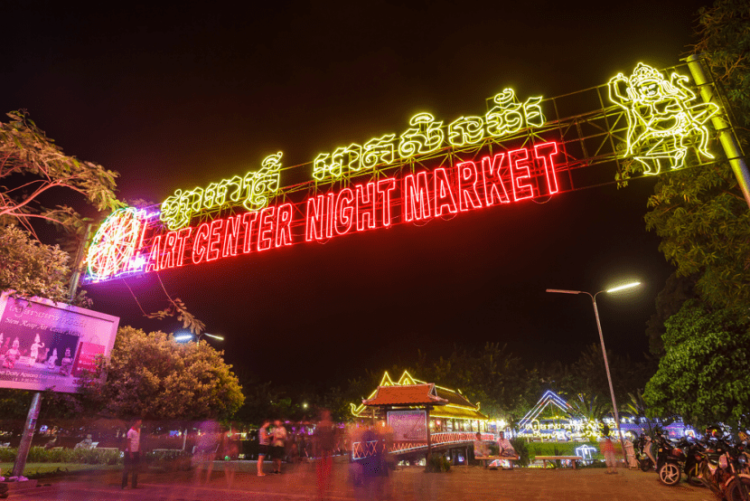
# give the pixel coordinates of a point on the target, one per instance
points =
(132, 451)
(279, 441)
(229, 452)
(608, 449)
(325, 441)
(264, 443)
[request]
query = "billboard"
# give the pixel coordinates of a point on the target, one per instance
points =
(46, 345)
(408, 426)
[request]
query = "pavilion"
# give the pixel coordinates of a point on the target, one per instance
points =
(449, 410)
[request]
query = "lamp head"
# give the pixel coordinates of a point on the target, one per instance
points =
(623, 287)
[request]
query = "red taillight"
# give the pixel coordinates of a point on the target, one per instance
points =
(677, 452)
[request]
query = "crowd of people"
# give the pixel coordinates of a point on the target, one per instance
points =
(278, 443)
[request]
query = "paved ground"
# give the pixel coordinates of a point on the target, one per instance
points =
(474, 483)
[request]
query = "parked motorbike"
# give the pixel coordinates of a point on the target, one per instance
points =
(644, 448)
(725, 476)
(669, 462)
(694, 452)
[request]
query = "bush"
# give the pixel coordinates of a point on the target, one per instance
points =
(7, 455)
(169, 460)
(522, 451)
(84, 456)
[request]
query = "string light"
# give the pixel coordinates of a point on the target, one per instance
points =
(662, 118)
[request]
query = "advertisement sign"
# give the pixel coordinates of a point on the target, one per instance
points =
(46, 345)
(408, 426)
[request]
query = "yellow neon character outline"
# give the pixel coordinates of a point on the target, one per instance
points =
(506, 117)
(262, 184)
(425, 136)
(258, 188)
(661, 118)
(379, 150)
(466, 130)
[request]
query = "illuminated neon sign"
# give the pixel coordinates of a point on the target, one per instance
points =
(502, 178)
(662, 117)
(427, 135)
(433, 169)
(253, 190)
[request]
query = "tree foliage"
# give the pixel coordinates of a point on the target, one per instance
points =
(587, 377)
(677, 290)
(491, 376)
(700, 213)
(31, 268)
(152, 376)
(703, 374)
(25, 150)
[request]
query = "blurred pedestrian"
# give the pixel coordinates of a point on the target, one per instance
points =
(206, 449)
(277, 445)
(230, 451)
(608, 449)
(374, 467)
(264, 444)
(325, 441)
(132, 454)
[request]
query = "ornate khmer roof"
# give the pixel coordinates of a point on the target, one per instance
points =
(416, 394)
(410, 392)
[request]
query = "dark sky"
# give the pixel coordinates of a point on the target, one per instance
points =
(177, 96)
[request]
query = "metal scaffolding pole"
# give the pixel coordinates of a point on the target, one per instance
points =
(723, 127)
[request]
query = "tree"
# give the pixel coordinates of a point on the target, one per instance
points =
(25, 150)
(703, 374)
(152, 376)
(31, 168)
(669, 301)
(700, 213)
(492, 376)
(31, 268)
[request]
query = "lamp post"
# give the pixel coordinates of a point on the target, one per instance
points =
(604, 349)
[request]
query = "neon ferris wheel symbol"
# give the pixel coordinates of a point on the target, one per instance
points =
(112, 250)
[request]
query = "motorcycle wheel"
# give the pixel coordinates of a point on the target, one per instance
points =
(646, 465)
(693, 477)
(670, 474)
(738, 490)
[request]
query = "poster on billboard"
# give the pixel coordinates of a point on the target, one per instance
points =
(49, 346)
(408, 425)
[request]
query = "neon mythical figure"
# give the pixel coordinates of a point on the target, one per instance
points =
(662, 118)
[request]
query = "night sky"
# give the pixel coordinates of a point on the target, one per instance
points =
(175, 97)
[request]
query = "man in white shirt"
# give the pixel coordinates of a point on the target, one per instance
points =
(279, 441)
(264, 444)
(132, 452)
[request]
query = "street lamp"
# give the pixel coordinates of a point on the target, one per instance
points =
(601, 338)
(187, 336)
